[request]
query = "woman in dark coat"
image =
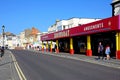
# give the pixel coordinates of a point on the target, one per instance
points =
(2, 52)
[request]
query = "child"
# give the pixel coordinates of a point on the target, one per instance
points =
(107, 52)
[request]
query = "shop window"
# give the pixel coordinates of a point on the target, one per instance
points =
(82, 47)
(66, 47)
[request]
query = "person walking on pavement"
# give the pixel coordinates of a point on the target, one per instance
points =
(100, 51)
(2, 52)
(107, 52)
(55, 48)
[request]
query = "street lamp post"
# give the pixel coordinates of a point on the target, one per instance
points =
(3, 34)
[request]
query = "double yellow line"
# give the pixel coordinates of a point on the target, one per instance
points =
(18, 69)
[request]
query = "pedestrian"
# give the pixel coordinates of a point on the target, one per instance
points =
(55, 48)
(107, 52)
(2, 52)
(100, 51)
(45, 48)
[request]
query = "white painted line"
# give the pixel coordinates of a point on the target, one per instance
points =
(18, 69)
(16, 66)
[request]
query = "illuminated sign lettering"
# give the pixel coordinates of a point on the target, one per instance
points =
(61, 34)
(44, 37)
(96, 26)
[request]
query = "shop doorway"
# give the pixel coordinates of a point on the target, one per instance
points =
(106, 39)
(64, 45)
(79, 45)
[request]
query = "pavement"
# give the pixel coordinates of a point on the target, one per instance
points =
(9, 71)
(7, 67)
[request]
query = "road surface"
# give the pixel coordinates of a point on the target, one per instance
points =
(39, 66)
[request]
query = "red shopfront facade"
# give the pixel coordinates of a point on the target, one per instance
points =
(109, 27)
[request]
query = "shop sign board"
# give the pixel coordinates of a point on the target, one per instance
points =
(108, 24)
(104, 25)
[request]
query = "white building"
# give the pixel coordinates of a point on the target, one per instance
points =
(12, 42)
(53, 27)
(22, 39)
(73, 22)
(115, 7)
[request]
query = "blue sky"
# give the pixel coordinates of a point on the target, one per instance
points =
(17, 15)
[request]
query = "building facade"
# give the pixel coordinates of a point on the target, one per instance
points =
(84, 39)
(70, 23)
(115, 7)
(10, 40)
